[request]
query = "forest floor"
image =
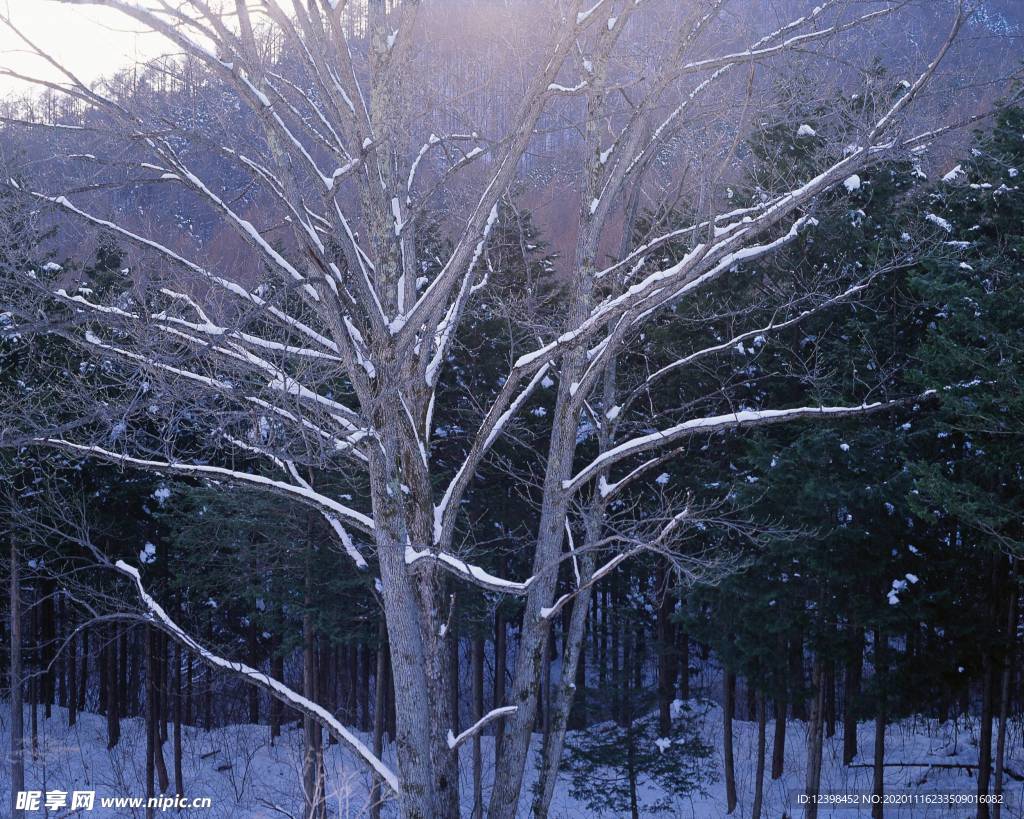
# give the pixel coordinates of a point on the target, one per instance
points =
(248, 778)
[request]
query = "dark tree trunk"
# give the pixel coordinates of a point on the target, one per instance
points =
(1004, 688)
(814, 738)
(72, 681)
(477, 671)
(881, 670)
(852, 678)
(379, 714)
(150, 720)
(47, 638)
(252, 692)
(779, 739)
(14, 676)
(123, 694)
(364, 687)
(829, 704)
(453, 670)
(83, 683)
(179, 779)
(189, 716)
(989, 662)
(276, 706)
(796, 674)
(666, 652)
(728, 713)
(500, 672)
(762, 719)
(312, 763)
(113, 706)
(684, 665)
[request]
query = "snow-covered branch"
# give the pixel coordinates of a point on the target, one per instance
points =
(713, 424)
(474, 729)
(275, 688)
(466, 571)
(300, 493)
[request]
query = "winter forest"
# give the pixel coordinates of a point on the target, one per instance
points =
(512, 408)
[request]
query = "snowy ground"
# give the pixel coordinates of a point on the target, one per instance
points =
(247, 778)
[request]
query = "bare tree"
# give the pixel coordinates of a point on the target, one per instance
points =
(319, 352)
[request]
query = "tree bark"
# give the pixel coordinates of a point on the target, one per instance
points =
(72, 680)
(276, 706)
(987, 708)
(762, 719)
(379, 715)
(779, 738)
(1004, 688)
(666, 651)
(728, 712)
(881, 716)
(113, 706)
(561, 699)
(477, 671)
(15, 675)
(852, 677)
(313, 785)
(814, 739)
(150, 721)
(179, 779)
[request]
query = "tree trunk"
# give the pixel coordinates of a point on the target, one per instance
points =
(113, 706)
(798, 706)
(72, 680)
(531, 655)
(477, 671)
(829, 704)
(379, 715)
(852, 676)
(985, 730)
(452, 650)
(179, 779)
(47, 637)
(779, 738)
(83, 683)
(150, 721)
(124, 703)
(252, 692)
(560, 700)
(666, 651)
(814, 739)
(1004, 689)
(15, 674)
(276, 706)
(728, 712)
(312, 760)
(364, 687)
(762, 719)
(881, 716)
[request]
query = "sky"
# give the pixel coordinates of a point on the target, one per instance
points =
(91, 41)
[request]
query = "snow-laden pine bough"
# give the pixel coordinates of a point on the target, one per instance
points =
(323, 349)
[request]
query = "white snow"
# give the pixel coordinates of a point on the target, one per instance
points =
(148, 554)
(852, 183)
(954, 174)
(938, 220)
(261, 774)
(806, 130)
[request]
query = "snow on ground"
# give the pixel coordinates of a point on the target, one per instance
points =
(247, 778)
